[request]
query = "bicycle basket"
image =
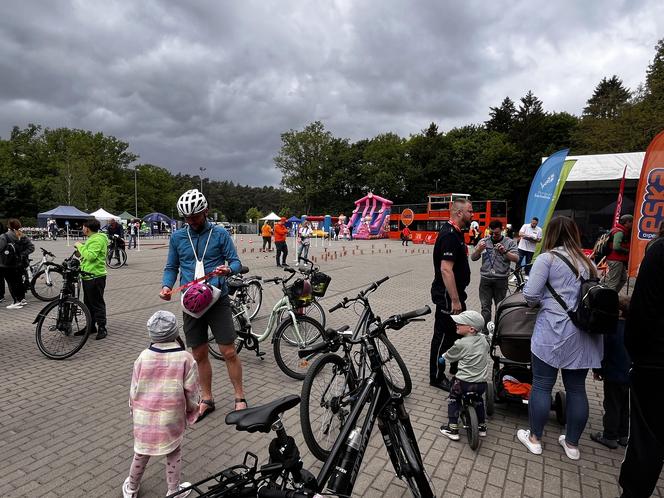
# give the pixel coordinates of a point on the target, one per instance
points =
(299, 293)
(319, 283)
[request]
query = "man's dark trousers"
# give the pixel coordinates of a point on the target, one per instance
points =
(616, 410)
(93, 297)
(492, 290)
(282, 250)
(645, 451)
(529, 258)
(444, 335)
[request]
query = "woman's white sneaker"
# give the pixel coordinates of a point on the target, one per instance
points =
(524, 436)
(572, 453)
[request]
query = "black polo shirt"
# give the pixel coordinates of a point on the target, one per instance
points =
(450, 246)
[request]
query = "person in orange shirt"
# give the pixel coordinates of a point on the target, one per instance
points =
(280, 233)
(266, 233)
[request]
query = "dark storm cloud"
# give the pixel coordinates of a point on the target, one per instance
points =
(214, 84)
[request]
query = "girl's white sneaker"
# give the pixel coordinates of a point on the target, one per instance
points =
(572, 453)
(524, 436)
(182, 486)
(127, 492)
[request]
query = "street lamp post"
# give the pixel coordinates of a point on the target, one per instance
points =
(202, 169)
(135, 193)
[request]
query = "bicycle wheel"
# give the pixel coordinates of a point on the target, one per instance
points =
(285, 352)
(314, 310)
(213, 347)
(254, 298)
(410, 462)
(62, 328)
(515, 282)
(46, 285)
(322, 414)
(394, 368)
(116, 262)
(469, 416)
(490, 396)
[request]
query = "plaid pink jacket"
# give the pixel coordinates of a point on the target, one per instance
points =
(164, 396)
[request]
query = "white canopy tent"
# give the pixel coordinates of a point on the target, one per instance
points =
(104, 216)
(271, 217)
(606, 167)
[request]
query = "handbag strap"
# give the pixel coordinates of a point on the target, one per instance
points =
(553, 292)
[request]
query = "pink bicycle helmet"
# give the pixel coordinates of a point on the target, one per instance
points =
(197, 297)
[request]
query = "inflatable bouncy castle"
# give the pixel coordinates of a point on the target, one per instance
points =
(367, 222)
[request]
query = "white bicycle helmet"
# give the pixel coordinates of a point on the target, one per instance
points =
(191, 202)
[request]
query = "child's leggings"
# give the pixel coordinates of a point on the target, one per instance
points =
(173, 469)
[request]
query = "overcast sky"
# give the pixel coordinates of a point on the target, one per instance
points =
(214, 83)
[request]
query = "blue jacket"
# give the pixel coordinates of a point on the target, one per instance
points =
(181, 255)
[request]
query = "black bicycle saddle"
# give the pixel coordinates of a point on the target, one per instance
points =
(261, 418)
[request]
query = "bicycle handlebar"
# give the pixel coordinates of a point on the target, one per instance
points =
(372, 287)
(47, 253)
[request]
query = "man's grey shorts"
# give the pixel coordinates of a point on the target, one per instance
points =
(219, 319)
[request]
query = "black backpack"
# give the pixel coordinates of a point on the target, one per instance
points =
(597, 306)
(9, 256)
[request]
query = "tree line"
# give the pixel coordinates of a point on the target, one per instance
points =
(323, 174)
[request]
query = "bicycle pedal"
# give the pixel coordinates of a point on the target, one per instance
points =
(260, 354)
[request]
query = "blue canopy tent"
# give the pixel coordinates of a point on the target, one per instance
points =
(62, 214)
(293, 219)
(158, 222)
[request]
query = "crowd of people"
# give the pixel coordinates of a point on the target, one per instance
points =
(629, 363)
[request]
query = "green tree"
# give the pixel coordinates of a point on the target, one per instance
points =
(253, 215)
(302, 159)
(608, 100)
(502, 117)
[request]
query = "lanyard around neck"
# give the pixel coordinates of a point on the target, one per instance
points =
(194, 249)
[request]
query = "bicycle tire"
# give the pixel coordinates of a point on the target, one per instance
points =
(285, 353)
(394, 368)
(413, 472)
(49, 332)
(213, 348)
(122, 256)
(515, 282)
(472, 426)
(321, 415)
(314, 310)
(42, 289)
(254, 298)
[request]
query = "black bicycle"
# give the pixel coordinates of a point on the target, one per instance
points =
(516, 280)
(116, 255)
(325, 401)
(63, 326)
(283, 475)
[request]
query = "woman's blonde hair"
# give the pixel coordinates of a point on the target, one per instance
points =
(563, 232)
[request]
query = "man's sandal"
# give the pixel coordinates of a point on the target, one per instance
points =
(241, 400)
(210, 409)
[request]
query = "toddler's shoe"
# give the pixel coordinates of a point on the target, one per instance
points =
(524, 436)
(572, 453)
(598, 437)
(451, 431)
(127, 492)
(482, 430)
(182, 486)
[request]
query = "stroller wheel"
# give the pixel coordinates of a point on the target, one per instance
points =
(490, 398)
(560, 407)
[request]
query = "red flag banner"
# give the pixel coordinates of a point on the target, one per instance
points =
(616, 213)
(648, 203)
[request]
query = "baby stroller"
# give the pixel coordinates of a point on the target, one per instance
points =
(511, 376)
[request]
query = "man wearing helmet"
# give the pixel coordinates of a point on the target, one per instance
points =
(196, 249)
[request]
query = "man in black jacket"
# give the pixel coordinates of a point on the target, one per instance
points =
(644, 339)
(448, 290)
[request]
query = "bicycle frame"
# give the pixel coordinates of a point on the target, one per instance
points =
(282, 305)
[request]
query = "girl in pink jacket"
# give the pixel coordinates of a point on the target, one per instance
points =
(164, 397)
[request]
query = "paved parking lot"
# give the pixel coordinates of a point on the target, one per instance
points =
(66, 428)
